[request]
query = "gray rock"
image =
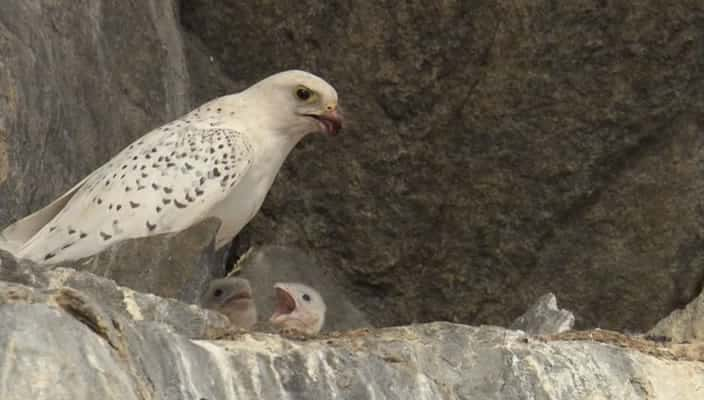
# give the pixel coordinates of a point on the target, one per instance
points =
(177, 265)
(78, 82)
(489, 159)
(263, 266)
(685, 324)
(67, 347)
(544, 318)
(184, 319)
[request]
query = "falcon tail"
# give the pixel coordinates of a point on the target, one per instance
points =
(16, 235)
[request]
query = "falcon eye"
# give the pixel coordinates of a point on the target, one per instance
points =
(303, 93)
(306, 297)
(217, 293)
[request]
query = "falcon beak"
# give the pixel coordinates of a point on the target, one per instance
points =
(330, 121)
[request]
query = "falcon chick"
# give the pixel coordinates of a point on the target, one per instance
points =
(299, 308)
(232, 297)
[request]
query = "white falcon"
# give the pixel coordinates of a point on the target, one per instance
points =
(219, 161)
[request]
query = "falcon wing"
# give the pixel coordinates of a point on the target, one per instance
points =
(165, 182)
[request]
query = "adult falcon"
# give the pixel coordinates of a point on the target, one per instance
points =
(219, 161)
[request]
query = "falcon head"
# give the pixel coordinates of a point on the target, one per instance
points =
(297, 103)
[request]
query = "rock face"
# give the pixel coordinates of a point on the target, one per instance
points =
(178, 265)
(544, 318)
(24, 280)
(686, 324)
(495, 150)
(61, 344)
(79, 81)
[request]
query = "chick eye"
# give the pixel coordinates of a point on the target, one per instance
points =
(217, 293)
(303, 93)
(306, 297)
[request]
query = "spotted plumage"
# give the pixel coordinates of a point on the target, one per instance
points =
(205, 164)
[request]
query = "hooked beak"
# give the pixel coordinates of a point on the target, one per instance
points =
(330, 121)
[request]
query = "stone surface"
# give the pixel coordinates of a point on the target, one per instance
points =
(495, 150)
(184, 319)
(266, 265)
(544, 318)
(686, 324)
(59, 344)
(78, 82)
(178, 265)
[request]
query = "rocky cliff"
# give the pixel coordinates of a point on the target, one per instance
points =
(496, 151)
(70, 334)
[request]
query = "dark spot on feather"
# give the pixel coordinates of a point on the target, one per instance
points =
(166, 201)
(188, 166)
(189, 198)
(133, 204)
(118, 207)
(82, 235)
(53, 228)
(105, 236)
(71, 231)
(167, 190)
(155, 186)
(66, 246)
(151, 227)
(127, 188)
(179, 205)
(158, 209)
(216, 172)
(49, 255)
(199, 192)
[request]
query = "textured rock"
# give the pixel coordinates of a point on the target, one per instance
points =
(264, 266)
(69, 347)
(496, 151)
(177, 265)
(184, 319)
(685, 324)
(78, 82)
(544, 318)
